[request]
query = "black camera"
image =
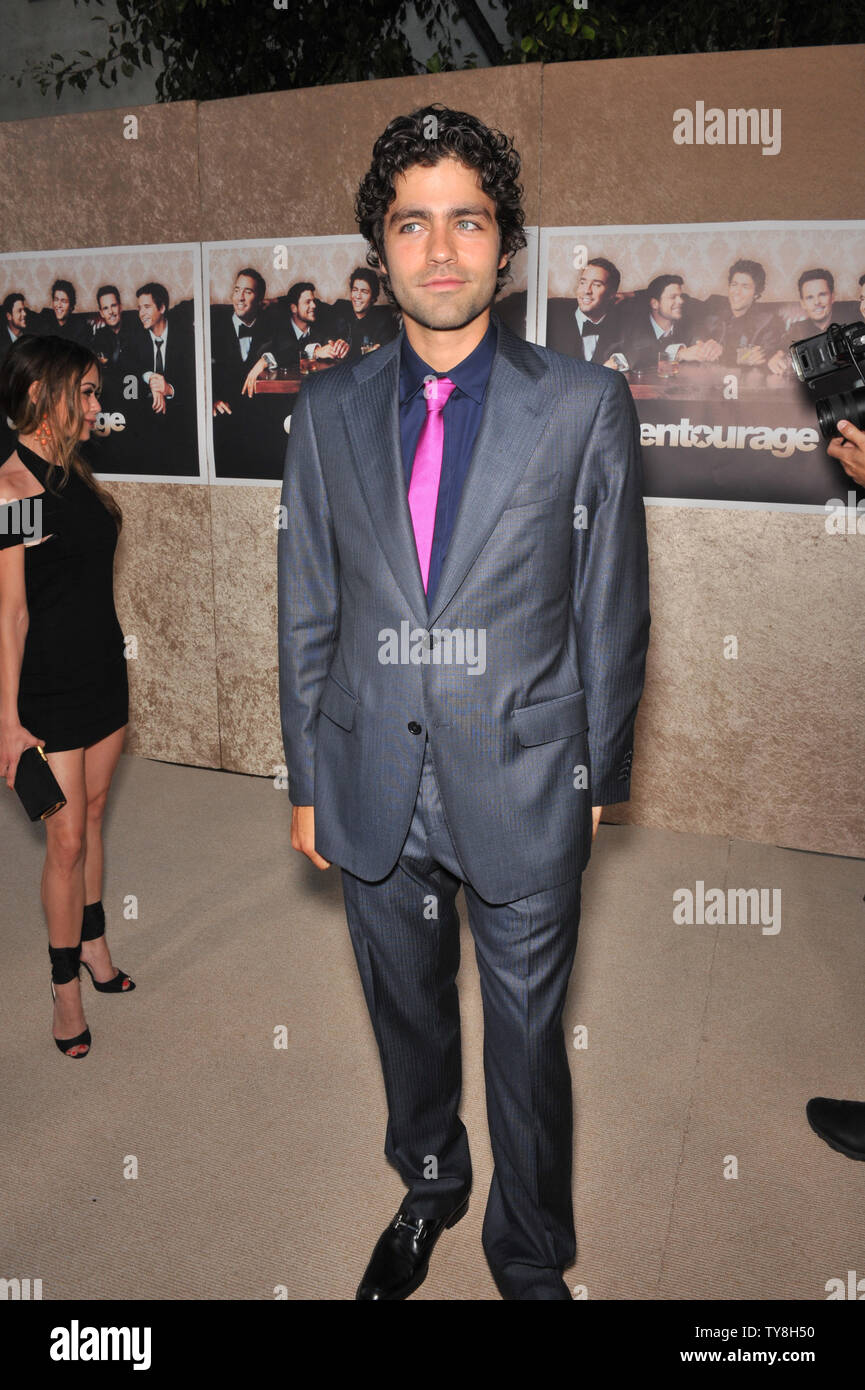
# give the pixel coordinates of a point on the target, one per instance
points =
(814, 359)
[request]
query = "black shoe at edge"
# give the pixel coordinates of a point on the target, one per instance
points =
(400, 1261)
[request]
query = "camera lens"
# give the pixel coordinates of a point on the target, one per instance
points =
(846, 405)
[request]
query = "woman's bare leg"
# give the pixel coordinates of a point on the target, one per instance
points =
(63, 884)
(100, 761)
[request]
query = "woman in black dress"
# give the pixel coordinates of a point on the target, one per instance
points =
(63, 681)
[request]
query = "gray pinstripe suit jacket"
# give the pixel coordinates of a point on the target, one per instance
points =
(546, 575)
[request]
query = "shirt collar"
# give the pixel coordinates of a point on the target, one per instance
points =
(584, 318)
(470, 375)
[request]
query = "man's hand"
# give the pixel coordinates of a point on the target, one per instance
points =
(252, 376)
(158, 400)
(597, 812)
(303, 834)
(779, 362)
(849, 451)
(331, 349)
(704, 350)
(158, 383)
(221, 408)
(753, 356)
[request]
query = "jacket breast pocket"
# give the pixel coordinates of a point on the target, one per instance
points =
(338, 703)
(544, 489)
(551, 719)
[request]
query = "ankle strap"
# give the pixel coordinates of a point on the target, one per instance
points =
(93, 924)
(65, 963)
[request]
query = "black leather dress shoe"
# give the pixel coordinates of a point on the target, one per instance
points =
(400, 1260)
(841, 1123)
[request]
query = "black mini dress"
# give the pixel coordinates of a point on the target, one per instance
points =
(73, 689)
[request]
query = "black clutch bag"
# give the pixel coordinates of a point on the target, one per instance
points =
(38, 788)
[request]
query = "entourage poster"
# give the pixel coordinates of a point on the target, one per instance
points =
(700, 319)
(203, 349)
(280, 309)
(139, 309)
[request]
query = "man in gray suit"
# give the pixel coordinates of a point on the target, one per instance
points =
(463, 622)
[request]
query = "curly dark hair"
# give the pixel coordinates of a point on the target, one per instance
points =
(68, 289)
(752, 268)
(369, 277)
(426, 136)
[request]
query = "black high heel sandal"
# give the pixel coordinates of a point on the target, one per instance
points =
(93, 926)
(64, 967)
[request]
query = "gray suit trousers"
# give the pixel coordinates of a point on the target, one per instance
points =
(405, 933)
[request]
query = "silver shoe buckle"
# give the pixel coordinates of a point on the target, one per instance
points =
(415, 1226)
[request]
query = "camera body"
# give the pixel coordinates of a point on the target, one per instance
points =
(823, 356)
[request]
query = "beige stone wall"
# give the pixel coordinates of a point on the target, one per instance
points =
(770, 747)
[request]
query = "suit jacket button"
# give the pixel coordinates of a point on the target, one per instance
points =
(414, 727)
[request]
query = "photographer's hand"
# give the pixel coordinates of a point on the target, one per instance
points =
(849, 451)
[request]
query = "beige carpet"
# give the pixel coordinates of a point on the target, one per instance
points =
(261, 1168)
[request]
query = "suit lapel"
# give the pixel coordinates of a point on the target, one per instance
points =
(515, 411)
(370, 404)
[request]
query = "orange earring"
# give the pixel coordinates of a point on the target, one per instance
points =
(43, 433)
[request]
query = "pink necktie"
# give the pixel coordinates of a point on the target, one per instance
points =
(426, 470)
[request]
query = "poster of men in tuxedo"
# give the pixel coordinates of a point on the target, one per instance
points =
(280, 309)
(700, 320)
(138, 308)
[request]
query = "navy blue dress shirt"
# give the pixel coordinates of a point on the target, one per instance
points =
(462, 418)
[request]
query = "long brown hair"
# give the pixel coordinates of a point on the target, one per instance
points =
(57, 365)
